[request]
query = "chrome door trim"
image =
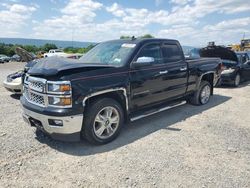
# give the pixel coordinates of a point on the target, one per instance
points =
(157, 111)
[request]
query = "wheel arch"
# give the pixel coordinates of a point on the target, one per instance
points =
(118, 94)
(209, 77)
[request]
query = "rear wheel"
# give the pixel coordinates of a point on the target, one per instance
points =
(103, 121)
(237, 80)
(205, 94)
(202, 95)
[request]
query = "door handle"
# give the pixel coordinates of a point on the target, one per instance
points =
(163, 72)
(183, 68)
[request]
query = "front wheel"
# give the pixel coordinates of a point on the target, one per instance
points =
(202, 95)
(103, 121)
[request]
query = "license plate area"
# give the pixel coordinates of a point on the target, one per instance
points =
(36, 123)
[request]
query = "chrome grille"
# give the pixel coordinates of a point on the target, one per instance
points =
(34, 98)
(34, 90)
(38, 86)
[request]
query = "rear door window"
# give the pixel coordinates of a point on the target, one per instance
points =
(172, 53)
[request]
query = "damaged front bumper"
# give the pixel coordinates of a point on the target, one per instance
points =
(64, 128)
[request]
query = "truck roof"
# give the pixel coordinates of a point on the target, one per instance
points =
(143, 40)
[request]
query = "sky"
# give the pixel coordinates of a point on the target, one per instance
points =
(192, 22)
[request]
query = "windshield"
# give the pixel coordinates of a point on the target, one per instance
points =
(109, 53)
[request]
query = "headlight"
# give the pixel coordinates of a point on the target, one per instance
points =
(59, 94)
(59, 87)
(228, 71)
(9, 79)
(60, 101)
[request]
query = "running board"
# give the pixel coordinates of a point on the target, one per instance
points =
(157, 111)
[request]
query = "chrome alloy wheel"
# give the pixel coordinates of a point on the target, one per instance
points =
(205, 94)
(106, 122)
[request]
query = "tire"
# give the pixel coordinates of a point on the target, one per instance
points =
(237, 80)
(199, 97)
(97, 124)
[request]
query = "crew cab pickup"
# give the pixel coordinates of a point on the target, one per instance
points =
(115, 82)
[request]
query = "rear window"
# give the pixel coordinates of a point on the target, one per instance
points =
(172, 52)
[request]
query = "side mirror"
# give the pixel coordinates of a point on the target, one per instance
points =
(143, 61)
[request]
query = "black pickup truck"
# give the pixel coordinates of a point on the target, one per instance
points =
(115, 82)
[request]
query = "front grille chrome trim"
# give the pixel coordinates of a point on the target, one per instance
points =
(36, 84)
(27, 92)
(41, 91)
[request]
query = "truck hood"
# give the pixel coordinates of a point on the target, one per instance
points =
(218, 51)
(52, 66)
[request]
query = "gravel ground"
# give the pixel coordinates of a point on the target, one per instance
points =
(189, 146)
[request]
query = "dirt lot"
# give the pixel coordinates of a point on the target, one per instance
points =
(189, 146)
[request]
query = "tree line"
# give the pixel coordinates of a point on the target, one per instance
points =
(9, 49)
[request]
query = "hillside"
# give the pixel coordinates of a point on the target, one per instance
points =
(41, 42)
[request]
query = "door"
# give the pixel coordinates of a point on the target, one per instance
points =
(177, 67)
(157, 82)
(147, 81)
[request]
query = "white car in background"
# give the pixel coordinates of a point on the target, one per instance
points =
(13, 83)
(55, 52)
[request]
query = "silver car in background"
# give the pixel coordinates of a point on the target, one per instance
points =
(13, 83)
